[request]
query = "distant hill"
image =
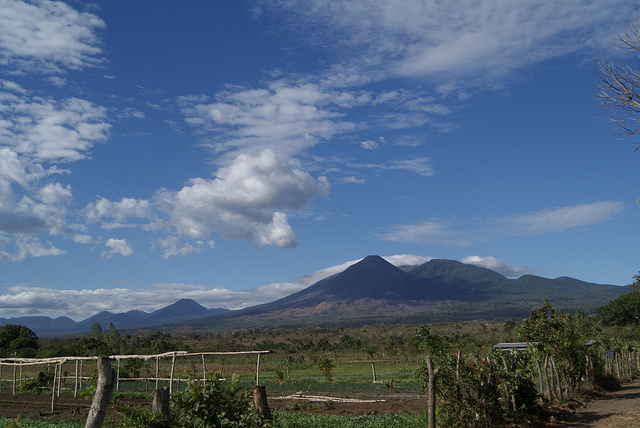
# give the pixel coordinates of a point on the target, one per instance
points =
(374, 291)
(371, 291)
(178, 312)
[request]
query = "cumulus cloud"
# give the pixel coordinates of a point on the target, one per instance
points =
(459, 233)
(244, 201)
(117, 246)
(47, 37)
(496, 265)
(55, 193)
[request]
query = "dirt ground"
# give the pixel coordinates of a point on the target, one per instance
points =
(619, 409)
(71, 409)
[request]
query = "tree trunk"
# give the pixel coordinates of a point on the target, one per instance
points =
(104, 389)
(432, 393)
(260, 401)
(160, 403)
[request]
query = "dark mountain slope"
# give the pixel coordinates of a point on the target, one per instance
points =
(372, 278)
(496, 294)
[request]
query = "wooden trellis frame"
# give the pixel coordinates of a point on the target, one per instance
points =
(58, 362)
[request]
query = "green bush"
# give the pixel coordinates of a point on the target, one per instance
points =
(211, 405)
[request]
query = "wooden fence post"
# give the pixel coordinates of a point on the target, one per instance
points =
(260, 401)
(160, 403)
(104, 390)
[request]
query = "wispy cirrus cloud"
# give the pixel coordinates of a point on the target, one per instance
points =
(462, 233)
(449, 41)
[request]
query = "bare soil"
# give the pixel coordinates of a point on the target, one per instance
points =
(70, 409)
(618, 409)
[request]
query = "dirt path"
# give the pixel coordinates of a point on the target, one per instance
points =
(621, 409)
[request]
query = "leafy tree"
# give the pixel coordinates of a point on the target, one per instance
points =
(625, 310)
(95, 331)
(562, 338)
(466, 387)
(112, 338)
(17, 341)
(325, 365)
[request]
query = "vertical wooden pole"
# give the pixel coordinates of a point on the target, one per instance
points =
(173, 367)
(373, 370)
(53, 389)
(104, 390)
(118, 376)
(204, 370)
(157, 372)
(14, 380)
(59, 377)
(81, 370)
(75, 386)
(258, 371)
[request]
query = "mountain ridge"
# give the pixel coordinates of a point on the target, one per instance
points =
(370, 291)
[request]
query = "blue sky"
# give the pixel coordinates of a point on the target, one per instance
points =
(234, 152)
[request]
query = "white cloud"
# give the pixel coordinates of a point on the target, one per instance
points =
(47, 37)
(454, 39)
(496, 265)
(117, 246)
(119, 211)
(288, 117)
(43, 129)
(172, 247)
(55, 193)
(560, 219)
(246, 200)
(369, 145)
(24, 246)
(466, 232)
(82, 239)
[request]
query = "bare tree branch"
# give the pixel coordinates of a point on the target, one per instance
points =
(618, 88)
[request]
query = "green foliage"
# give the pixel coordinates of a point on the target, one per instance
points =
(17, 341)
(561, 336)
(29, 423)
(211, 405)
(471, 387)
(625, 310)
(131, 367)
(304, 420)
(112, 338)
(95, 331)
(38, 384)
(325, 365)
